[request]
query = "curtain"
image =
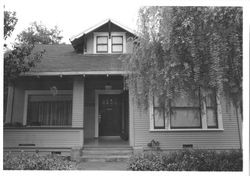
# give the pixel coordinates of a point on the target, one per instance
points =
(50, 113)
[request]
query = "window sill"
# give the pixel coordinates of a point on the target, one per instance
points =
(177, 130)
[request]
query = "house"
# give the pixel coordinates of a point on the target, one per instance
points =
(76, 97)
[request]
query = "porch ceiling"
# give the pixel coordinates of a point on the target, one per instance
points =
(63, 59)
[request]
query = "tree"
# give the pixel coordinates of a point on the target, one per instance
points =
(180, 50)
(40, 34)
(18, 60)
(10, 21)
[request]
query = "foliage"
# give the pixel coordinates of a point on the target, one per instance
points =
(154, 145)
(148, 161)
(19, 60)
(10, 21)
(188, 160)
(40, 34)
(182, 49)
(33, 161)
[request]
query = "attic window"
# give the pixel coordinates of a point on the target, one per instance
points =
(117, 44)
(102, 44)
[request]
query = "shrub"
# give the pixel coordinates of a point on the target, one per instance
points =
(33, 161)
(188, 160)
(146, 161)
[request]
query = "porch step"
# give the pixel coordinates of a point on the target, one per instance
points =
(106, 154)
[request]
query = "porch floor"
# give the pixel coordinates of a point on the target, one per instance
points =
(109, 141)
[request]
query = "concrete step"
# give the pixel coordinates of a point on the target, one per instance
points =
(104, 158)
(106, 154)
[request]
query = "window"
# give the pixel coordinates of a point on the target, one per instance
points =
(187, 113)
(211, 110)
(108, 43)
(102, 44)
(117, 44)
(159, 114)
(49, 110)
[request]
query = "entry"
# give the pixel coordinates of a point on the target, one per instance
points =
(109, 115)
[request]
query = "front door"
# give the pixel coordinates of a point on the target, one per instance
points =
(109, 115)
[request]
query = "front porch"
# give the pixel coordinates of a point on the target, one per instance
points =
(99, 112)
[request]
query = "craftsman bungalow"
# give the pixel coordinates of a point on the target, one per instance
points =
(76, 97)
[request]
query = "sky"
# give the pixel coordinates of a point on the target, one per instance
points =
(73, 16)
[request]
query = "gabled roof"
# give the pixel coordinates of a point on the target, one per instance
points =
(63, 60)
(98, 25)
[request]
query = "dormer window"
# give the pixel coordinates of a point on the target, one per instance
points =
(113, 44)
(102, 44)
(117, 44)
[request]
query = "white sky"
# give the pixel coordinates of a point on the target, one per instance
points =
(73, 16)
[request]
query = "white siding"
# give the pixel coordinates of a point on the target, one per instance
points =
(226, 139)
(78, 102)
(54, 138)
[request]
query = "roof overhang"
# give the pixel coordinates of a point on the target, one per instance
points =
(98, 25)
(75, 73)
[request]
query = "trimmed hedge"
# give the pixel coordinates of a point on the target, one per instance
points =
(33, 161)
(188, 160)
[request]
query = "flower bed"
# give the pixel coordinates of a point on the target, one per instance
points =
(34, 161)
(188, 160)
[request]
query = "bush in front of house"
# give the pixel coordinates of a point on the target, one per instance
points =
(188, 160)
(34, 161)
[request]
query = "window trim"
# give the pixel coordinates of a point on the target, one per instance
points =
(204, 126)
(40, 92)
(106, 44)
(112, 44)
(96, 34)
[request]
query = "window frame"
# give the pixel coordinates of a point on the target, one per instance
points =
(112, 44)
(43, 92)
(97, 34)
(164, 116)
(102, 44)
(187, 107)
(203, 120)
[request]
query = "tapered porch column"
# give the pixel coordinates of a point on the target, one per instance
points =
(78, 104)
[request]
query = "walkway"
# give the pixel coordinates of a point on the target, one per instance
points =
(102, 166)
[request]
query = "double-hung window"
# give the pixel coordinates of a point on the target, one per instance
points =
(199, 112)
(102, 44)
(117, 44)
(185, 113)
(109, 43)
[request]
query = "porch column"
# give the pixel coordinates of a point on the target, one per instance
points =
(9, 104)
(78, 103)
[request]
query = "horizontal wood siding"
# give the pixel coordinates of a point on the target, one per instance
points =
(78, 102)
(227, 139)
(89, 119)
(54, 138)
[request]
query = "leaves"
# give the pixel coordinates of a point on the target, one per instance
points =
(40, 34)
(180, 49)
(19, 60)
(10, 21)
